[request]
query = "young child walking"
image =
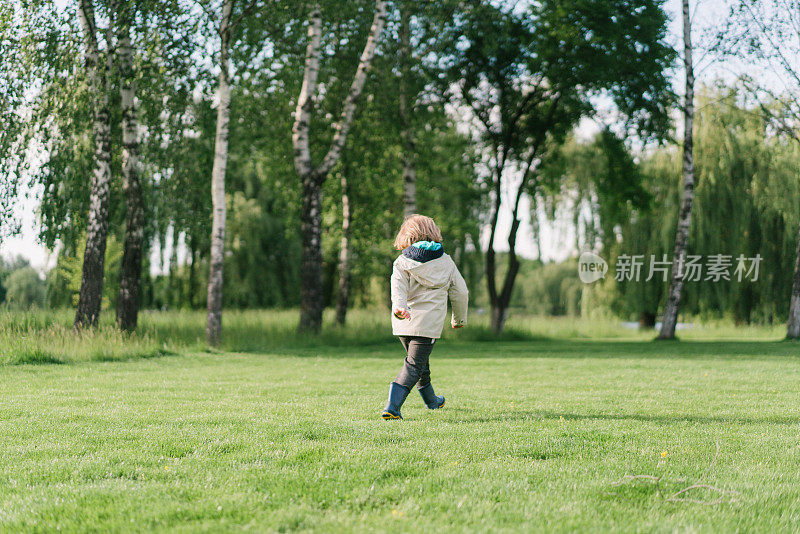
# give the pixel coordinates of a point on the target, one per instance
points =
(423, 278)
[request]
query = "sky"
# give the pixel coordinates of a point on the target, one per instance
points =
(557, 237)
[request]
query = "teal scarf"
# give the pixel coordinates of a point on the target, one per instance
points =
(427, 245)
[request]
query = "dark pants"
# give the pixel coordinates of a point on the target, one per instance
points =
(416, 369)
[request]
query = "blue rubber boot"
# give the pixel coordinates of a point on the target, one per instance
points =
(397, 396)
(432, 400)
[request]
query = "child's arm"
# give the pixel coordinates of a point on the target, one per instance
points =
(399, 286)
(459, 299)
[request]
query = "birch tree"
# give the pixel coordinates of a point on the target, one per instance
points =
(131, 268)
(227, 25)
(675, 290)
(343, 292)
(97, 80)
(313, 176)
(217, 258)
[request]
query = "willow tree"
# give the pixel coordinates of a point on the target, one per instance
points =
(526, 78)
(312, 176)
(767, 33)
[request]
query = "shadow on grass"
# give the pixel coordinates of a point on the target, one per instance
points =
(289, 341)
(543, 415)
(102, 356)
(388, 347)
(37, 357)
(599, 349)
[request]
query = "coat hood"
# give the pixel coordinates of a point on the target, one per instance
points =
(434, 274)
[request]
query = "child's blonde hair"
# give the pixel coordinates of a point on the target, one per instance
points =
(417, 228)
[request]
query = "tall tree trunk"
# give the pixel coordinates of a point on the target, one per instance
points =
(343, 294)
(500, 300)
(131, 269)
(177, 288)
(311, 177)
(406, 127)
(192, 272)
(311, 294)
(498, 314)
(685, 215)
(97, 77)
(793, 325)
(217, 259)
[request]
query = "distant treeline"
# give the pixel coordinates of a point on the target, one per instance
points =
(746, 182)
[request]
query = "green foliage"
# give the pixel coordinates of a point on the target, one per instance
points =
(447, 188)
(262, 270)
(24, 289)
(746, 179)
(551, 289)
(540, 69)
(47, 81)
(64, 280)
(540, 66)
(605, 177)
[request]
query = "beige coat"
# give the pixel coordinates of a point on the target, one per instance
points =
(423, 288)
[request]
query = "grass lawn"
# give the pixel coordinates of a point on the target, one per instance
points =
(536, 435)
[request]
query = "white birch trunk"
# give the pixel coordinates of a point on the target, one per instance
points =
(305, 101)
(674, 293)
(343, 293)
(214, 306)
(342, 127)
(131, 268)
(91, 291)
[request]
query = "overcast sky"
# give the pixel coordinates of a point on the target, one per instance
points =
(557, 238)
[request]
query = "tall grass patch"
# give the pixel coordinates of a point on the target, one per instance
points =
(46, 336)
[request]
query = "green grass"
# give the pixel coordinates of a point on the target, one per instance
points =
(284, 435)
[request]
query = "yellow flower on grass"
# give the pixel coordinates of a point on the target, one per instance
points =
(166, 468)
(397, 513)
(663, 454)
